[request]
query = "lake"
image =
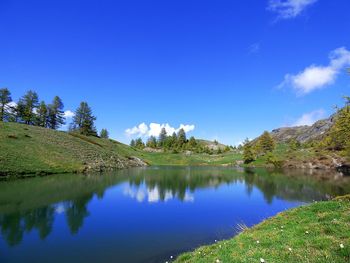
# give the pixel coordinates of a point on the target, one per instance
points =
(145, 214)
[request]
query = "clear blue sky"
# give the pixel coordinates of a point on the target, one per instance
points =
(219, 65)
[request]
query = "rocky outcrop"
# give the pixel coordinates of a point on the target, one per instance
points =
(324, 162)
(113, 163)
(303, 133)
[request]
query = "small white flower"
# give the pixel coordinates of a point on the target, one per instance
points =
(341, 245)
(217, 261)
(306, 232)
(215, 241)
(262, 260)
(290, 249)
(282, 227)
(258, 242)
(171, 257)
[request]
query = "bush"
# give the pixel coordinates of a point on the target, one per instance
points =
(274, 160)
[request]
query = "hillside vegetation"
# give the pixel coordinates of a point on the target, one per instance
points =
(315, 233)
(26, 149)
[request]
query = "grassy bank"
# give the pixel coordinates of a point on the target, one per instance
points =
(28, 149)
(192, 159)
(319, 232)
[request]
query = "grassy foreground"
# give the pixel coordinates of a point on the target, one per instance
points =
(319, 232)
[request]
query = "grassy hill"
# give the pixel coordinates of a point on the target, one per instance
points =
(315, 233)
(28, 149)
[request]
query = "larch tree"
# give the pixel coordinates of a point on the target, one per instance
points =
(56, 114)
(162, 137)
(42, 114)
(181, 137)
(5, 99)
(248, 153)
(83, 120)
(339, 134)
(28, 105)
(104, 134)
(265, 143)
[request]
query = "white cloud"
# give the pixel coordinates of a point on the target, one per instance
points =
(317, 77)
(287, 9)
(69, 114)
(140, 130)
(309, 118)
(154, 129)
(153, 195)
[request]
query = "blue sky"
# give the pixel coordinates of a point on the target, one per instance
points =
(230, 68)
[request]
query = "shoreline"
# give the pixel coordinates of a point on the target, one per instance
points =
(300, 234)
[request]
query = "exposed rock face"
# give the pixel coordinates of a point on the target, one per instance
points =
(113, 162)
(303, 133)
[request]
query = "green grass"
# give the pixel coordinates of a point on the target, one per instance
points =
(32, 150)
(29, 150)
(192, 159)
(319, 232)
(283, 153)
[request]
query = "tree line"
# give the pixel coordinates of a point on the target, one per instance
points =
(31, 111)
(261, 146)
(336, 139)
(176, 142)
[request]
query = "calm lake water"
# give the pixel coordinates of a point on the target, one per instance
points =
(143, 214)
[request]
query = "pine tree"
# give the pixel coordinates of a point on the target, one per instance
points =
(339, 134)
(56, 114)
(248, 153)
(132, 143)
(192, 143)
(104, 134)
(265, 143)
(139, 144)
(28, 104)
(152, 142)
(5, 98)
(162, 137)
(42, 115)
(181, 137)
(83, 121)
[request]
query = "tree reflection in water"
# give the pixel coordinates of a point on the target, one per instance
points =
(32, 204)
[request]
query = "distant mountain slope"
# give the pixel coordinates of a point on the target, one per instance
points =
(212, 145)
(303, 133)
(28, 149)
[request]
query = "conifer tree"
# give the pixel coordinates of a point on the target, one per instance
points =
(139, 144)
(104, 134)
(83, 121)
(162, 137)
(28, 104)
(248, 153)
(42, 115)
(56, 114)
(265, 143)
(152, 142)
(181, 137)
(132, 143)
(339, 134)
(5, 98)
(192, 143)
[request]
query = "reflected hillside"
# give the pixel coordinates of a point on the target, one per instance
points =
(33, 204)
